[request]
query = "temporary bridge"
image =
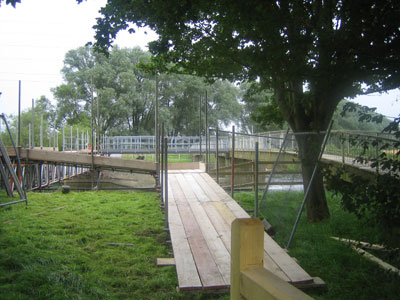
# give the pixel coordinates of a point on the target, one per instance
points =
(200, 214)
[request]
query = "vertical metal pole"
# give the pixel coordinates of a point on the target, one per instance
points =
(98, 123)
(206, 127)
(166, 180)
(162, 163)
(200, 129)
(19, 114)
(77, 139)
(71, 138)
(54, 140)
(377, 153)
(29, 135)
(33, 123)
(63, 140)
(157, 135)
(41, 131)
(233, 162)
(217, 153)
(256, 183)
(343, 140)
(309, 185)
(92, 130)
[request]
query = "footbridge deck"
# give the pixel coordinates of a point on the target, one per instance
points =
(200, 214)
(85, 160)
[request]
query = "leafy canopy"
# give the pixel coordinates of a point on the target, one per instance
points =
(336, 44)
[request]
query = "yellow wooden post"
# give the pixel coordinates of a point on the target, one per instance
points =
(247, 250)
(249, 279)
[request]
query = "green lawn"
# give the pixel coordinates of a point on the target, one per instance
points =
(52, 253)
(348, 275)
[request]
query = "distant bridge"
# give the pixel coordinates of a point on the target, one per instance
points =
(342, 145)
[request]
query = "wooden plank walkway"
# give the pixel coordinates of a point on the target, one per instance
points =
(200, 217)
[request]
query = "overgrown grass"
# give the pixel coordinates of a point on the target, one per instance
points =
(347, 274)
(56, 248)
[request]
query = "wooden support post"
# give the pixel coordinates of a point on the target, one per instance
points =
(247, 250)
(249, 279)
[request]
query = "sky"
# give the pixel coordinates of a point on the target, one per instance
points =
(35, 37)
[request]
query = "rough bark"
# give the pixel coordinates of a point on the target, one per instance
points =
(309, 149)
(303, 117)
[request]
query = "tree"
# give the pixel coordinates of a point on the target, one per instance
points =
(311, 53)
(43, 110)
(126, 94)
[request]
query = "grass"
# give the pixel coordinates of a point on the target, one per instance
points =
(348, 275)
(52, 253)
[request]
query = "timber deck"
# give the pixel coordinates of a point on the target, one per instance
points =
(200, 214)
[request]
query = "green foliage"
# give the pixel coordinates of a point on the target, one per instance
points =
(125, 93)
(260, 111)
(12, 2)
(352, 116)
(43, 110)
(348, 275)
(312, 54)
(377, 198)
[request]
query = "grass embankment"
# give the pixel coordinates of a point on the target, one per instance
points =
(56, 248)
(348, 275)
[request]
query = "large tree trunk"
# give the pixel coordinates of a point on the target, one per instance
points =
(309, 149)
(308, 114)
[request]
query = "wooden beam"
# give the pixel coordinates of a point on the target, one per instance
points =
(86, 160)
(163, 262)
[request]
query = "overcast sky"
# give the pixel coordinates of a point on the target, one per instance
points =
(37, 34)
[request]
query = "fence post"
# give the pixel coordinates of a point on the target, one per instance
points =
(233, 162)
(247, 246)
(166, 181)
(256, 182)
(162, 164)
(217, 154)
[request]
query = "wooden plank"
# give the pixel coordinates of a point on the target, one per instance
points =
(86, 160)
(207, 268)
(183, 165)
(194, 185)
(220, 225)
(207, 189)
(291, 269)
(229, 217)
(217, 248)
(188, 277)
(380, 262)
(258, 283)
(163, 262)
(226, 213)
(215, 186)
(269, 263)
